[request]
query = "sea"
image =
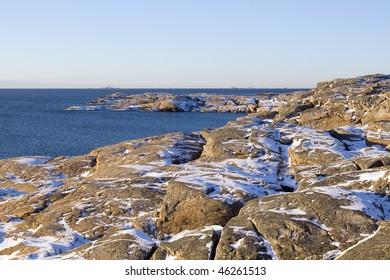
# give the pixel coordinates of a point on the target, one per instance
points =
(33, 122)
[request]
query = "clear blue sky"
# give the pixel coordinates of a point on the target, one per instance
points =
(190, 43)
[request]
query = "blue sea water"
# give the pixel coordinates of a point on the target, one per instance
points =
(33, 121)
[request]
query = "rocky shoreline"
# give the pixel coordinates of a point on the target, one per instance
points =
(305, 175)
(166, 102)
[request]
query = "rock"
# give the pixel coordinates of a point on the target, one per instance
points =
(313, 147)
(170, 105)
(304, 176)
(309, 224)
(159, 101)
(186, 207)
(374, 247)
(241, 241)
(370, 180)
(196, 244)
(122, 245)
(367, 162)
(76, 166)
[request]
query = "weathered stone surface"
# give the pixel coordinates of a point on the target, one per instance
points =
(241, 241)
(374, 180)
(196, 244)
(373, 247)
(310, 224)
(186, 207)
(122, 245)
(371, 162)
(305, 176)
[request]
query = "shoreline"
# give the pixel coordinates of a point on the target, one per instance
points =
(264, 186)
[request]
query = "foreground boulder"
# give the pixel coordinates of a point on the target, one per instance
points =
(312, 224)
(122, 245)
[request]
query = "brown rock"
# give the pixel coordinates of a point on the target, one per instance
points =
(186, 206)
(122, 245)
(241, 241)
(196, 244)
(306, 225)
(374, 247)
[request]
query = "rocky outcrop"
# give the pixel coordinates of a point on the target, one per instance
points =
(122, 245)
(374, 247)
(340, 102)
(181, 246)
(311, 224)
(305, 176)
(166, 102)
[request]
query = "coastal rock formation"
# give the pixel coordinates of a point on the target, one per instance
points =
(181, 246)
(198, 102)
(306, 175)
(375, 246)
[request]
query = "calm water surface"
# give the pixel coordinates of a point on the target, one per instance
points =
(34, 122)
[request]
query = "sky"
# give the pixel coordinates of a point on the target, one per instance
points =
(190, 43)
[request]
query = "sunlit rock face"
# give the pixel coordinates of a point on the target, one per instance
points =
(305, 175)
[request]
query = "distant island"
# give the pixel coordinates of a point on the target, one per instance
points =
(304, 175)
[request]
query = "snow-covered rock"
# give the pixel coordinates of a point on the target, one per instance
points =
(305, 176)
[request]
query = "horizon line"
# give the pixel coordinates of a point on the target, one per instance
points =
(114, 88)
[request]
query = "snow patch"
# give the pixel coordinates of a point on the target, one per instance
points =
(236, 245)
(31, 161)
(361, 241)
(372, 204)
(373, 176)
(282, 210)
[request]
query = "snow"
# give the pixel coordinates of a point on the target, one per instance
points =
(270, 250)
(7, 242)
(321, 226)
(32, 231)
(236, 245)
(31, 161)
(170, 257)
(334, 243)
(361, 241)
(88, 108)
(331, 255)
(314, 222)
(85, 174)
(262, 240)
(141, 238)
(186, 233)
(139, 167)
(209, 246)
(5, 193)
(372, 204)
(48, 245)
(372, 176)
(217, 229)
(296, 143)
(282, 210)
